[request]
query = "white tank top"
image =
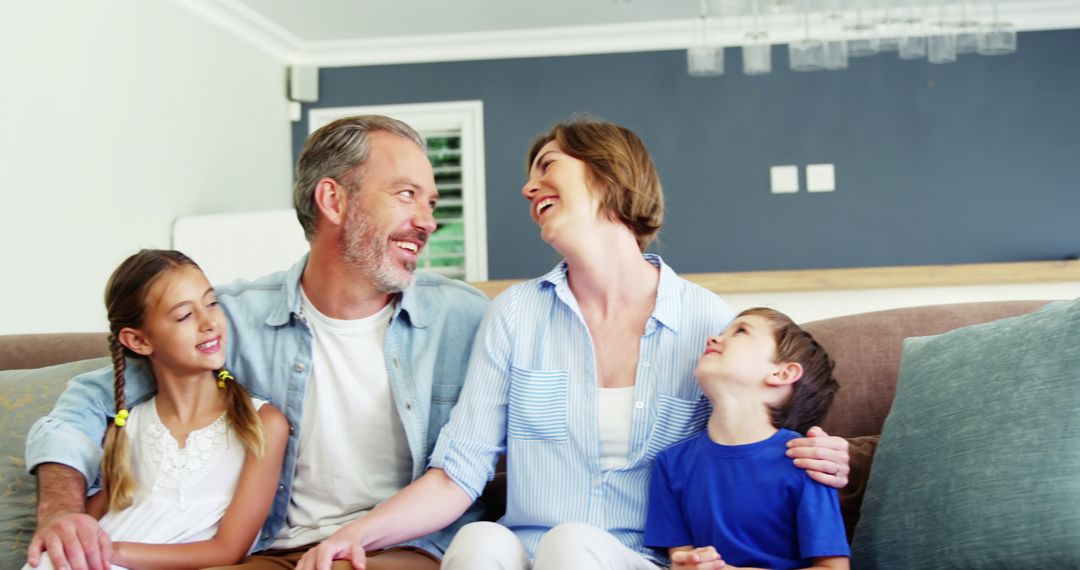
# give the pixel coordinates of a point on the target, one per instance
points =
(616, 410)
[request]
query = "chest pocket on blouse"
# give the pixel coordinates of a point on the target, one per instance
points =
(676, 420)
(537, 407)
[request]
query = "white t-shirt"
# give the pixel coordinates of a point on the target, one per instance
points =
(353, 449)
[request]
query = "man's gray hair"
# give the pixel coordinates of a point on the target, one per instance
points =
(332, 151)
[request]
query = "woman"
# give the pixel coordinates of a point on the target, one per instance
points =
(580, 376)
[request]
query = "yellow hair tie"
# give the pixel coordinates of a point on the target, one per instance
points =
(222, 376)
(121, 418)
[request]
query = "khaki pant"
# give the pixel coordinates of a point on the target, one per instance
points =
(399, 558)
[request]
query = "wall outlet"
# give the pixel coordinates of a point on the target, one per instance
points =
(784, 179)
(820, 178)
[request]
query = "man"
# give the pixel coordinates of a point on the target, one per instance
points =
(364, 358)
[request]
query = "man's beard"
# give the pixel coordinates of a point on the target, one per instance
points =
(364, 248)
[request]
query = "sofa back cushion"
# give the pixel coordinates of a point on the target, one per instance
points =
(26, 351)
(867, 347)
(979, 460)
(25, 396)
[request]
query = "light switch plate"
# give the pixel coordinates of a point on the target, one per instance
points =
(820, 178)
(784, 179)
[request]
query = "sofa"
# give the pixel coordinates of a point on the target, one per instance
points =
(867, 348)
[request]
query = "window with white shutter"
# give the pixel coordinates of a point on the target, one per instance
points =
(454, 134)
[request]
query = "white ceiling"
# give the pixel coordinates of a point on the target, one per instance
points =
(331, 33)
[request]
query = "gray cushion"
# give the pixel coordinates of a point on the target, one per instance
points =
(979, 461)
(25, 396)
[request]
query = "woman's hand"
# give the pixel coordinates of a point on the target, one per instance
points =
(340, 546)
(825, 457)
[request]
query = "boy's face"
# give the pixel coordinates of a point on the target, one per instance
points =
(745, 353)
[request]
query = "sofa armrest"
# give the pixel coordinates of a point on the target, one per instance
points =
(861, 450)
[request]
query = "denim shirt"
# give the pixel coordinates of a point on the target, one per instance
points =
(427, 348)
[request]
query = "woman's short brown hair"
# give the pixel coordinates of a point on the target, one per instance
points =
(620, 163)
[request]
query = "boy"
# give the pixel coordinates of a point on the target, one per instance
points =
(730, 497)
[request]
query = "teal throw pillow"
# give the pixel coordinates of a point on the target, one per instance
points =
(979, 460)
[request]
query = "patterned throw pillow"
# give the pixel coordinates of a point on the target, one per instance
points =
(25, 396)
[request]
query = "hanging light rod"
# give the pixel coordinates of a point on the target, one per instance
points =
(784, 19)
(824, 34)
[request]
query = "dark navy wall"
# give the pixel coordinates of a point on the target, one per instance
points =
(976, 161)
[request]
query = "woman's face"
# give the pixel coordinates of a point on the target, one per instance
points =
(560, 194)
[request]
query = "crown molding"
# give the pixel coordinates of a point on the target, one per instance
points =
(503, 44)
(250, 26)
(247, 25)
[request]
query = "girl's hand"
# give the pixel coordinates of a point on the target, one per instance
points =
(120, 557)
(704, 558)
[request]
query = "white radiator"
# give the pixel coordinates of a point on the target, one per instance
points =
(242, 245)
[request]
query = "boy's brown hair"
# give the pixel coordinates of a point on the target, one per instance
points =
(812, 395)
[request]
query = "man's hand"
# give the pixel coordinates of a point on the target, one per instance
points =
(73, 540)
(334, 548)
(704, 558)
(825, 457)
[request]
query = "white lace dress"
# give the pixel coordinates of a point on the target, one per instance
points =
(181, 493)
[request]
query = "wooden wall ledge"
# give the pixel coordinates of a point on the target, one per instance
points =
(868, 277)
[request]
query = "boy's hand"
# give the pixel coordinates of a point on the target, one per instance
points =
(704, 558)
(825, 457)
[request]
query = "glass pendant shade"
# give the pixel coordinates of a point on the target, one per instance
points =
(705, 61)
(912, 47)
(998, 38)
(941, 45)
(836, 56)
(757, 54)
(806, 55)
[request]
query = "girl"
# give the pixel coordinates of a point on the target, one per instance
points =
(188, 475)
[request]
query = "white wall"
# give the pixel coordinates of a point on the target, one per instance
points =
(118, 116)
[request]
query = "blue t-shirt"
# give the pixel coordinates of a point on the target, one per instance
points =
(750, 502)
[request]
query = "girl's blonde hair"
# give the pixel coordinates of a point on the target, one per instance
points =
(125, 301)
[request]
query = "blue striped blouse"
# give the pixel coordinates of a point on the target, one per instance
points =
(531, 392)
